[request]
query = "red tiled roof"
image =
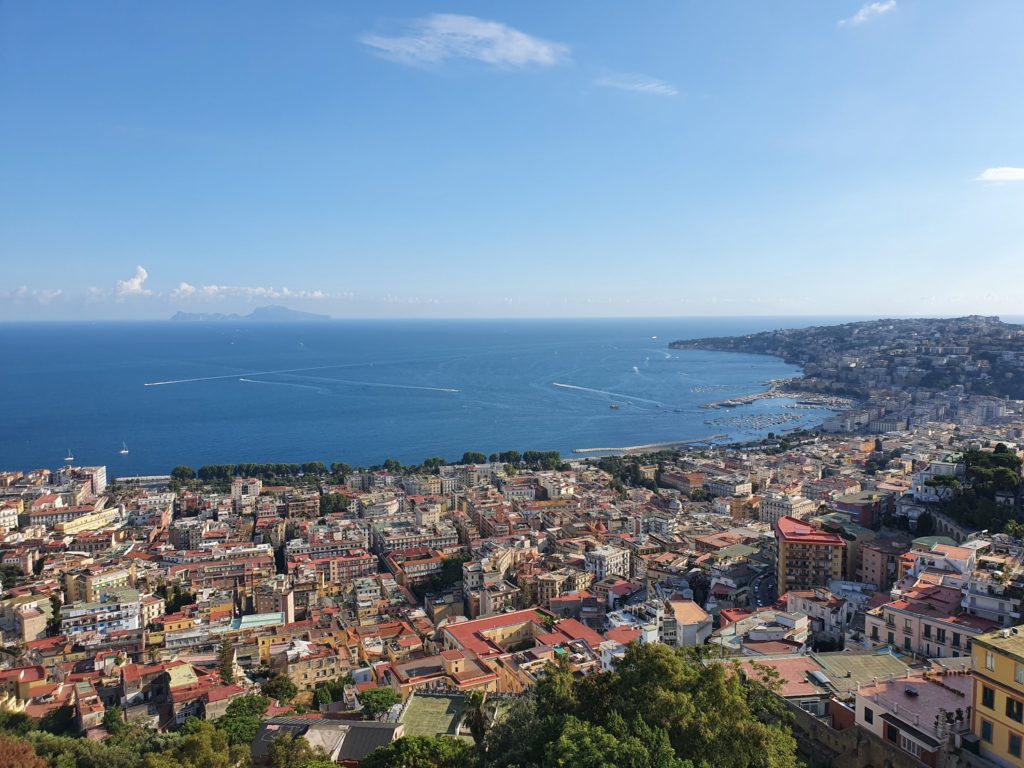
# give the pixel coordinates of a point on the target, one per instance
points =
(796, 531)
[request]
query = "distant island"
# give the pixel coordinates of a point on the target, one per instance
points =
(983, 355)
(271, 314)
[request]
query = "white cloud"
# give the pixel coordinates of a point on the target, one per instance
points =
(134, 286)
(1003, 173)
(442, 36)
(638, 84)
(186, 291)
(868, 12)
(24, 294)
(94, 294)
(183, 291)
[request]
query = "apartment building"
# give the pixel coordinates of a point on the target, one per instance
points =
(927, 621)
(997, 717)
(775, 505)
(607, 561)
(114, 611)
(807, 557)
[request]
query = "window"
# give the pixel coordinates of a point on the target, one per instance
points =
(910, 746)
(892, 733)
(907, 645)
(891, 638)
(1014, 745)
(874, 633)
(990, 661)
(986, 731)
(956, 639)
(988, 697)
(928, 630)
(940, 635)
(869, 715)
(907, 626)
(1014, 709)
(1018, 673)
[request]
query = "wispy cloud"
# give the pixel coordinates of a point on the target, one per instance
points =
(443, 36)
(1003, 173)
(23, 294)
(135, 285)
(868, 12)
(186, 291)
(638, 84)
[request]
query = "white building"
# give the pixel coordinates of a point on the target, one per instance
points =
(114, 611)
(775, 505)
(607, 561)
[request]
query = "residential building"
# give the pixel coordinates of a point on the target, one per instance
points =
(997, 717)
(807, 557)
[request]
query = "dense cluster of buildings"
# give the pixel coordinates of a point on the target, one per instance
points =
(805, 558)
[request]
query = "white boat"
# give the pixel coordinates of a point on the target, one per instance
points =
(124, 449)
(70, 457)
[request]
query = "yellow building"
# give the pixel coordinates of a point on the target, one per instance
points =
(89, 584)
(997, 718)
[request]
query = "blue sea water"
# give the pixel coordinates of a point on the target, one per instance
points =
(364, 391)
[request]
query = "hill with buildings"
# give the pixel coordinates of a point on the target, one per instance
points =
(982, 355)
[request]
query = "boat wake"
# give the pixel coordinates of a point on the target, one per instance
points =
(607, 392)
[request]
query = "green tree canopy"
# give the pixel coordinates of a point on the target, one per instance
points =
(377, 701)
(280, 687)
(423, 752)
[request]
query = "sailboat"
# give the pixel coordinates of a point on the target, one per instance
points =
(124, 449)
(70, 457)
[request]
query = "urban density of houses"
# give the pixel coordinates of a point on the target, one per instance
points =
(838, 560)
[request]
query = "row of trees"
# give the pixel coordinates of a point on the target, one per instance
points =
(224, 743)
(225, 473)
(659, 708)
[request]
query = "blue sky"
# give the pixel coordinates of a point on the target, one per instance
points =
(511, 159)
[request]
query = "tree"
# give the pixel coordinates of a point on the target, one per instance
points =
(287, 751)
(377, 701)
(473, 457)
(226, 661)
(659, 708)
(423, 752)
(331, 691)
(15, 753)
(279, 687)
(183, 474)
(53, 623)
(476, 717)
(333, 502)
(202, 746)
(241, 720)
(113, 720)
(925, 524)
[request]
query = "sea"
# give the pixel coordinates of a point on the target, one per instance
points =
(362, 391)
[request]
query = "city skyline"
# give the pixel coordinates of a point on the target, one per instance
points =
(518, 160)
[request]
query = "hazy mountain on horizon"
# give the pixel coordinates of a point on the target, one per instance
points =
(269, 314)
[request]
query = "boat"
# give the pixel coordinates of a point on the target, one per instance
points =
(124, 449)
(70, 457)
(614, 407)
(654, 338)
